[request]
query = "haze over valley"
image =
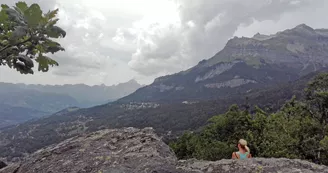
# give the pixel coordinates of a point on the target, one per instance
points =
(166, 86)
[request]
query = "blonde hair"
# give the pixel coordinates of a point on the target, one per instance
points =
(243, 144)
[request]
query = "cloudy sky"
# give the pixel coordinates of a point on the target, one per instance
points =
(113, 41)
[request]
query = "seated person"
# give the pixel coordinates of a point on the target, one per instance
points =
(244, 152)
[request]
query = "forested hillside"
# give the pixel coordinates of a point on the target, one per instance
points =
(299, 130)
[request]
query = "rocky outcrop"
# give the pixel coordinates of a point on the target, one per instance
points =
(131, 150)
(216, 71)
(108, 151)
(230, 83)
(2, 164)
(257, 165)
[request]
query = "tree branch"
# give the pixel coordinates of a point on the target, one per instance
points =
(3, 49)
(6, 47)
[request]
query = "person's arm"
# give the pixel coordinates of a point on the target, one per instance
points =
(249, 156)
(234, 156)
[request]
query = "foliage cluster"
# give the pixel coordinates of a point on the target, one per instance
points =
(298, 130)
(27, 34)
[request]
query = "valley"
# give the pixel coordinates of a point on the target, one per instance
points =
(186, 100)
(20, 102)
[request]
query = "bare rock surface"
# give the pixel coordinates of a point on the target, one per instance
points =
(131, 150)
(2, 164)
(257, 165)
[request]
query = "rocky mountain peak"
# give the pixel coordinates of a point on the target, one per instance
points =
(300, 30)
(262, 37)
(132, 81)
(131, 150)
(303, 27)
(288, 43)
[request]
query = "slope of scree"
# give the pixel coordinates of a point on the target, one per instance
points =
(131, 150)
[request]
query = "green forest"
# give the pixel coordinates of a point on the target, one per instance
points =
(298, 130)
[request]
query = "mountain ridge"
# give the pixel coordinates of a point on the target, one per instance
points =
(22, 102)
(77, 84)
(243, 64)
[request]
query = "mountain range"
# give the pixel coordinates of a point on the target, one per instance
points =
(243, 64)
(265, 70)
(21, 102)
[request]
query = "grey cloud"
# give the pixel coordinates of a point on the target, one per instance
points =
(122, 55)
(203, 29)
(66, 60)
(68, 71)
(162, 56)
(86, 28)
(213, 23)
(126, 33)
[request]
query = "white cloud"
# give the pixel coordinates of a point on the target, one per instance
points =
(86, 59)
(111, 41)
(203, 27)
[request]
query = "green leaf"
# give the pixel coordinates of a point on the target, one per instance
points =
(55, 32)
(15, 16)
(4, 42)
(19, 32)
(32, 29)
(54, 49)
(52, 22)
(26, 60)
(48, 18)
(51, 46)
(18, 10)
(4, 6)
(9, 60)
(33, 15)
(3, 16)
(324, 143)
(22, 6)
(40, 48)
(44, 63)
(52, 14)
